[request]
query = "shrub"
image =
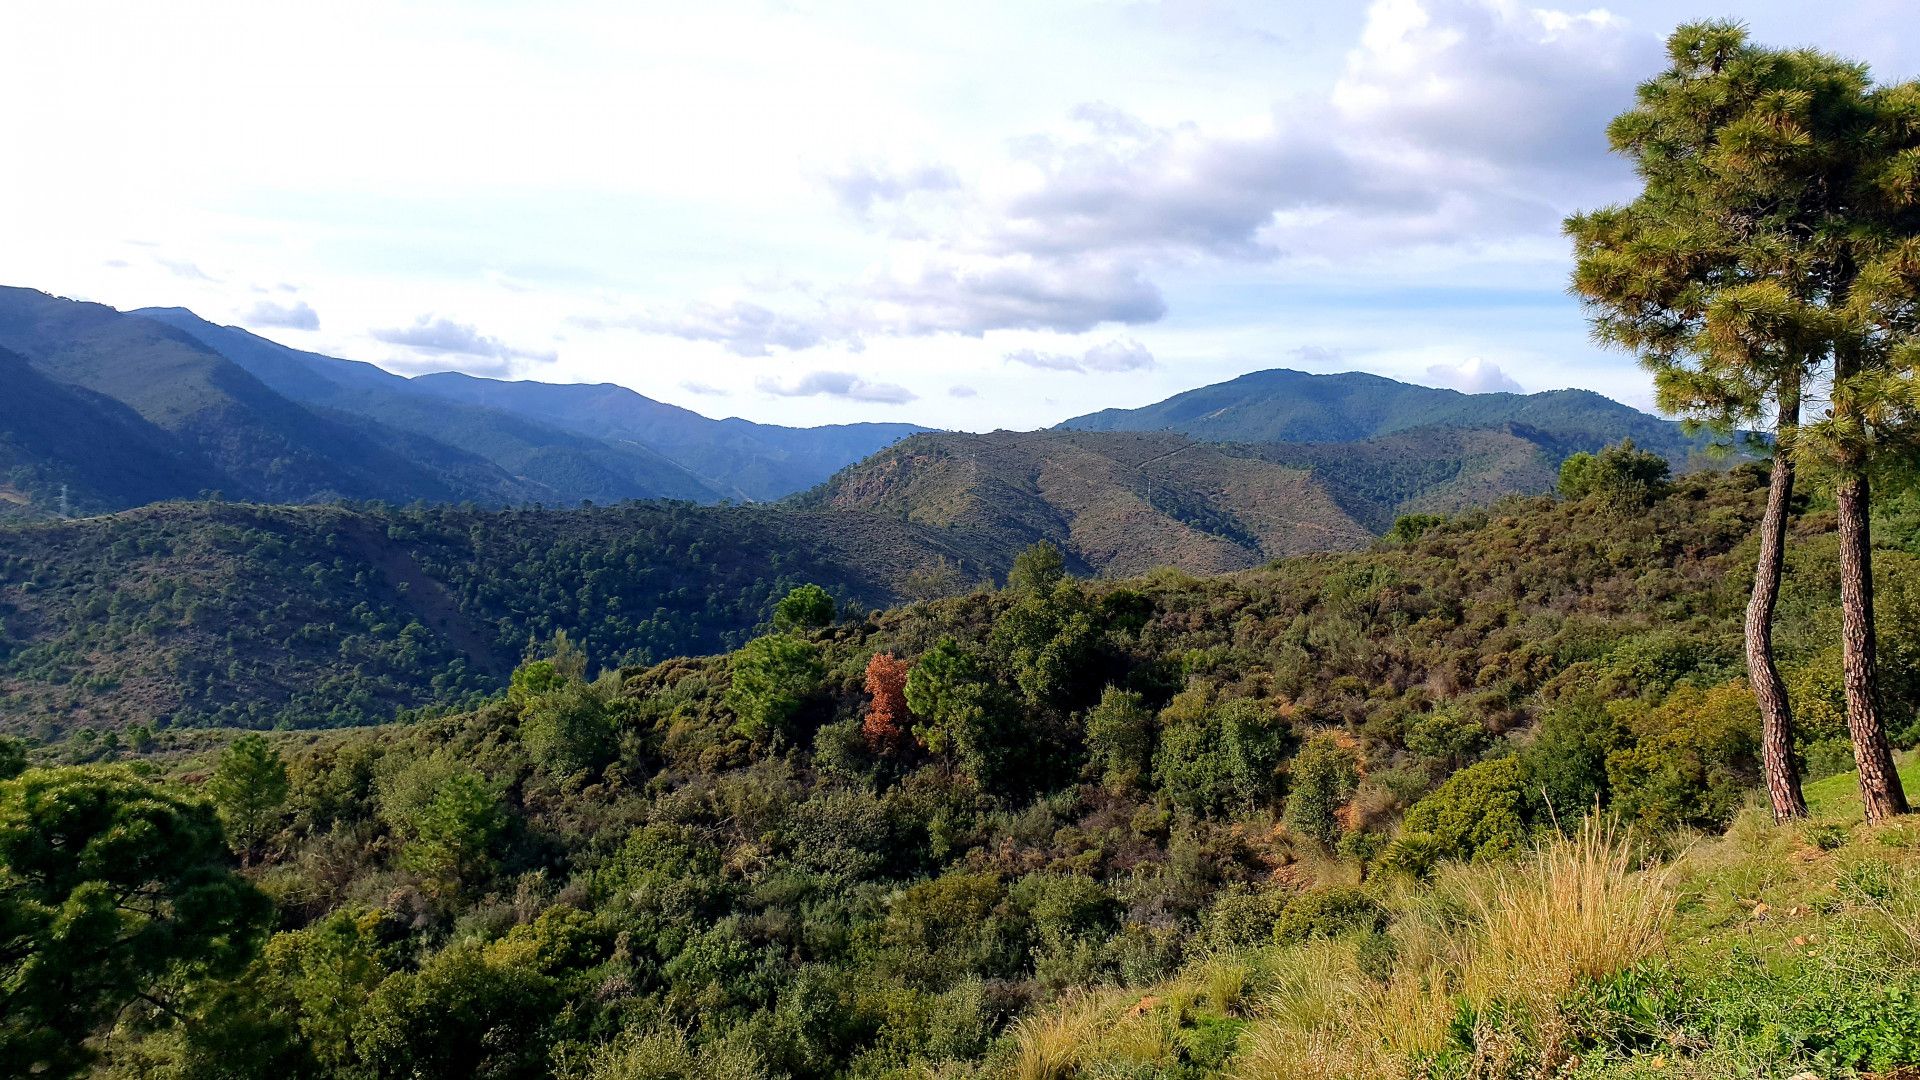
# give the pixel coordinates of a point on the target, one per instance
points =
(808, 607)
(772, 676)
(1120, 738)
(1621, 475)
(1567, 760)
(1410, 527)
(1695, 756)
(569, 727)
(1215, 756)
(1037, 569)
(1445, 734)
(964, 715)
(1325, 913)
(1481, 811)
(1324, 776)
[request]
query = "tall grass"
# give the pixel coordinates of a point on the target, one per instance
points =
(1579, 909)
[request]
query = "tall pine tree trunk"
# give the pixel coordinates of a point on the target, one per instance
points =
(1769, 690)
(1879, 784)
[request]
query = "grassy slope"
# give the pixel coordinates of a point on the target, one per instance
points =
(1755, 954)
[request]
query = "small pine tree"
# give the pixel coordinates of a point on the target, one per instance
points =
(808, 607)
(1037, 569)
(249, 789)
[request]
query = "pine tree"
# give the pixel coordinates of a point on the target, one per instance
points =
(249, 788)
(1730, 277)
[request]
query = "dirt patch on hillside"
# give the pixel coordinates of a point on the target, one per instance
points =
(427, 597)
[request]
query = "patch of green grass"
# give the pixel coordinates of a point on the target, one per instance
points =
(1838, 796)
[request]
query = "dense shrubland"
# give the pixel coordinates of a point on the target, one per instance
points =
(1160, 826)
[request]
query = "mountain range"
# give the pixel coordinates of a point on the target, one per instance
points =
(119, 409)
(273, 605)
(1285, 406)
(127, 408)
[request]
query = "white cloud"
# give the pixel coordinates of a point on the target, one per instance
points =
(295, 315)
(839, 384)
(1122, 354)
(1475, 376)
(745, 329)
(861, 186)
(444, 337)
(934, 185)
(1453, 125)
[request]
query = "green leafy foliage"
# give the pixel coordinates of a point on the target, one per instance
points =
(249, 788)
(1621, 476)
(808, 607)
(772, 677)
(112, 888)
(683, 896)
(1481, 811)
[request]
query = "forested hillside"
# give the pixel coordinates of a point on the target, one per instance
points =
(214, 613)
(902, 841)
(1124, 502)
(208, 613)
(1115, 504)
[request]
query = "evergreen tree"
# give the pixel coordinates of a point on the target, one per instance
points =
(1730, 277)
(110, 887)
(1037, 569)
(249, 788)
(772, 676)
(808, 607)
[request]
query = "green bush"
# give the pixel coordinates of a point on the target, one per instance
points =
(1322, 778)
(1331, 912)
(808, 607)
(1120, 733)
(1480, 812)
(772, 677)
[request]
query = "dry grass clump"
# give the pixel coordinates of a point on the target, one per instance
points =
(1053, 1042)
(1580, 909)
(1094, 1033)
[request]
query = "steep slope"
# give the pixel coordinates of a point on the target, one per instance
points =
(262, 444)
(1283, 406)
(740, 459)
(548, 462)
(1115, 503)
(53, 435)
(577, 441)
(1430, 470)
(232, 614)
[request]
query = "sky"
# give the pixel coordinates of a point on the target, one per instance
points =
(973, 216)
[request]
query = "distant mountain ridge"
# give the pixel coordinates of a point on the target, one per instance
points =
(721, 459)
(1281, 405)
(117, 409)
